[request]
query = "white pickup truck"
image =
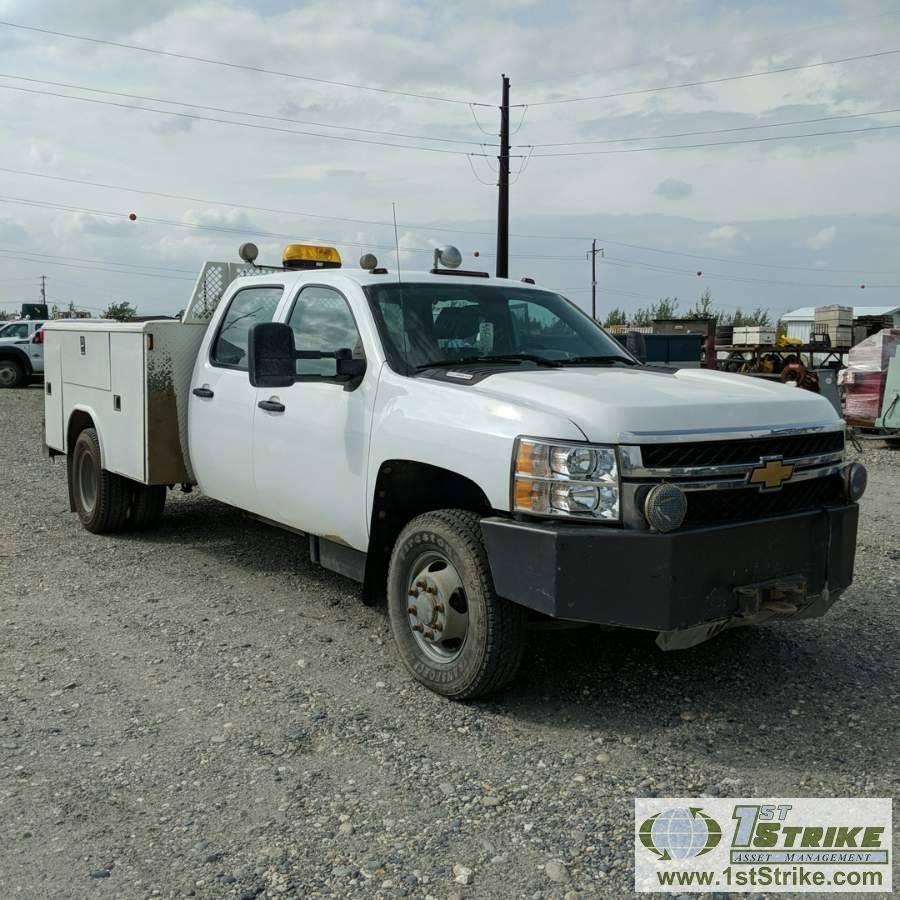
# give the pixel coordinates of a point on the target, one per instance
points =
(476, 450)
(21, 352)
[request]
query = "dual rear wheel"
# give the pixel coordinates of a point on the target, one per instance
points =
(106, 502)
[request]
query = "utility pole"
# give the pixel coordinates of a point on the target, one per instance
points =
(44, 289)
(592, 256)
(503, 187)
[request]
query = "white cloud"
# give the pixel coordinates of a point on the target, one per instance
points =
(168, 125)
(734, 200)
(42, 153)
(725, 237)
(674, 189)
(11, 232)
(822, 238)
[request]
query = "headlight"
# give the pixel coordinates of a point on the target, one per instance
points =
(552, 479)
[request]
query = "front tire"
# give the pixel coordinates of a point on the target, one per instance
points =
(12, 374)
(454, 634)
(101, 498)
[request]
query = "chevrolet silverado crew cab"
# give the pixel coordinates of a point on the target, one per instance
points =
(475, 450)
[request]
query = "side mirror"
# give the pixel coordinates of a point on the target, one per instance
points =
(348, 367)
(271, 356)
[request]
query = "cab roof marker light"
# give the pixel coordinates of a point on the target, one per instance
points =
(248, 253)
(448, 256)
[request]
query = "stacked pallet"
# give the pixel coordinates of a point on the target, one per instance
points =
(864, 378)
(837, 322)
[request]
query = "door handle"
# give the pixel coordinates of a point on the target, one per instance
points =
(203, 392)
(271, 405)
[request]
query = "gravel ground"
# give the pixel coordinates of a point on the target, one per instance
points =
(199, 712)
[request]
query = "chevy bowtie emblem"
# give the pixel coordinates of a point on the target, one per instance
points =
(771, 473)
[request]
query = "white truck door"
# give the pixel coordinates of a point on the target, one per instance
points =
(222, 401)
(310, 440)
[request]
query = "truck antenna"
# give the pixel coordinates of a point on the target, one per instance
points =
(404, 333)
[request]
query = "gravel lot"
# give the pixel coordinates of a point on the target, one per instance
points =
(199, 712)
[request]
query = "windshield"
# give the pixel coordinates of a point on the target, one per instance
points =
(440, 324)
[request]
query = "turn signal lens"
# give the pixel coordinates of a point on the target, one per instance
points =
(533, 459)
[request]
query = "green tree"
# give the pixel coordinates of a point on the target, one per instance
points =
(616, 316)
(667, 308)
(121, 312)
(703, 308)
(758, 316)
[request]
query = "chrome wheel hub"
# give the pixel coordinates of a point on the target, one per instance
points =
(437, 608)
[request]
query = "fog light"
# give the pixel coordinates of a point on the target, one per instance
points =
(665, 507)
(857, 478)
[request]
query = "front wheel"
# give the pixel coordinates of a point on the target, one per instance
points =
(454, 634)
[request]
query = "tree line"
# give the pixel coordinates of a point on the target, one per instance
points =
(704, 308)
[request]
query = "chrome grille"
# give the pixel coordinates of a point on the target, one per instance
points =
(735, 452)
(738, 478)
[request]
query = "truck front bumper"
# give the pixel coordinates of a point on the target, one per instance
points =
(687, 585)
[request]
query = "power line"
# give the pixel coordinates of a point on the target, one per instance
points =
(46, 204)
(662, 137)
(738, 278)
(705, 51)
(237, 112)
(688, 84)
(233, 65)
(432, 228)
(106, 262)
(34, 258)
(762, 140)
(194, 116)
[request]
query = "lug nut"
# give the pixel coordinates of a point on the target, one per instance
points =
(412, 610)
(420, 584)
(438, 607)
(437, 626)
(418, 627)
(429, 635)
(431, 589)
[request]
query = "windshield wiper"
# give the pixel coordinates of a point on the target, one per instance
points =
(598, 360)
(500, 358)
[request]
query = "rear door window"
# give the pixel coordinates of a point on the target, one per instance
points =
(247, 308)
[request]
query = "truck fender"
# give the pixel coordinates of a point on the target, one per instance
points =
(405, 489)
(20, 356)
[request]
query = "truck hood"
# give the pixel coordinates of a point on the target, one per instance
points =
(615, 405)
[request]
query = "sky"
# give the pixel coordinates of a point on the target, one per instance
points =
(209, 155)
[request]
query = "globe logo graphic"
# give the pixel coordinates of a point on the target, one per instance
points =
(680, 833)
